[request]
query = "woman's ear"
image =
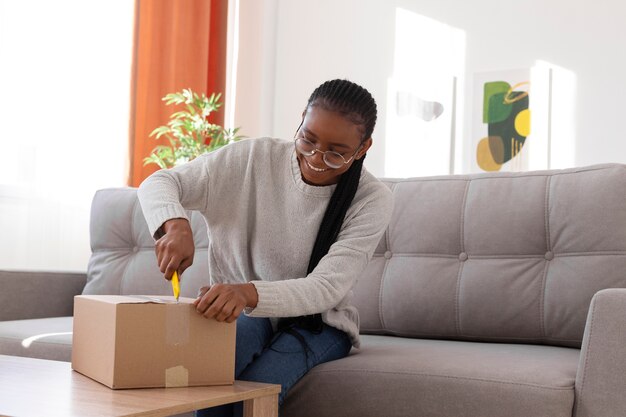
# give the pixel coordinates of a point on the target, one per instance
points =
(364, 147)
(301, 122)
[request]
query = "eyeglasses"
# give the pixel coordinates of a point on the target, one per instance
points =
(331, 158)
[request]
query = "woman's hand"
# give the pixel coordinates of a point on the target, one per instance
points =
(175, 249)
(225, 302)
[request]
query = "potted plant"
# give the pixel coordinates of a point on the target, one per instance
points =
(189, 132)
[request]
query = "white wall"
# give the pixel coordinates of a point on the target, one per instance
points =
(323, 39)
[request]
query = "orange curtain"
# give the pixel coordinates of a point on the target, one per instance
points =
(178, 44)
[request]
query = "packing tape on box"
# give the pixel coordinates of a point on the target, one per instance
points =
(176, 335)
(176, 324)
(176, 376)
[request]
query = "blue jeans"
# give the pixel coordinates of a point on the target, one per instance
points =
(262, 356)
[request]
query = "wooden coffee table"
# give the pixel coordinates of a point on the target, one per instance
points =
(30, 387)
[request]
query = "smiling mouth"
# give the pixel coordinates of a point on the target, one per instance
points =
(313, 168)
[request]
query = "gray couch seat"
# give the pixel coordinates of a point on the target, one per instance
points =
(47, 338)
(389, 375)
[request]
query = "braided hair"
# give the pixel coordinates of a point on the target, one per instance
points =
(357, 105)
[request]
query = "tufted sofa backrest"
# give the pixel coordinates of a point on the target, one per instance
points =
(497, 257)
(123, 260)
(493, 257)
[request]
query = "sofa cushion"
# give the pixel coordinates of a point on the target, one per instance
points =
(49, 338)
(389, 376)
(509, 257)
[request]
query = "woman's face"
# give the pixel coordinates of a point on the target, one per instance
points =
(328, 131)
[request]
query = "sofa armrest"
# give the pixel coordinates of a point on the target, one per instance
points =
(601, 377)
(30, 295)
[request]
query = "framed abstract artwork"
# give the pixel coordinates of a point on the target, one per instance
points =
(506, 106)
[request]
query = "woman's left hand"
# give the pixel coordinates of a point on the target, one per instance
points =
(225, 302)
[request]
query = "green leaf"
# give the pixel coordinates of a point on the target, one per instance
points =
(179, 114)
(174, 98)
(159, 131)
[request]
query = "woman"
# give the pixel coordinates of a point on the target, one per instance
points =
(290, 230)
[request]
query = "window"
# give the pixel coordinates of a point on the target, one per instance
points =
(64, 109)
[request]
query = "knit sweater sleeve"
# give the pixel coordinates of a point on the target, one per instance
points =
(336, 273)
(169, 193)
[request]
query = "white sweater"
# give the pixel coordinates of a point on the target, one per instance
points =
(262, 223)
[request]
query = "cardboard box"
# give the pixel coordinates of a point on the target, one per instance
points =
(150, 341)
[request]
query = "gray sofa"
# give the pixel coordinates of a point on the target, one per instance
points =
(489, 295)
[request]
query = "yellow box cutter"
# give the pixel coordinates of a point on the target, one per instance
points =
(175, 285)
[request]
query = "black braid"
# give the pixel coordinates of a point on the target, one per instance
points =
(357, 105)
(335, 213)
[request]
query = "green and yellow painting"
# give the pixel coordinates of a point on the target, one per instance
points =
(507, 116)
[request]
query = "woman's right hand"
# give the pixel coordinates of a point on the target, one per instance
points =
(175, 249)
